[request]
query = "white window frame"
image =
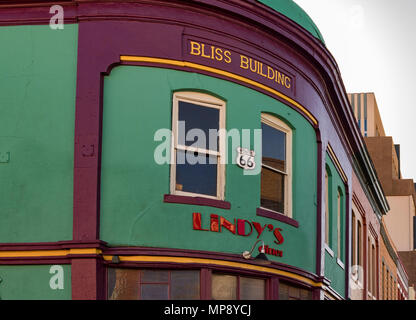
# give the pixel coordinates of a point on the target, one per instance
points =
(203, 100)
(278, 124)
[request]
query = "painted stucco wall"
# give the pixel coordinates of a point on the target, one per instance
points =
(35, 282)
(37, 108)
(137, 102)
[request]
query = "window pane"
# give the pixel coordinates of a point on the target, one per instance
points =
(199, 177)
(155, 276)
(305, 294)
(294, 293)
(291, 292)
(123, 284)
(198, 117)
(272, 190)
(283, 291)
(273, 147)
(252, 289)
(154, 292)
(184, 285)
(224, 287)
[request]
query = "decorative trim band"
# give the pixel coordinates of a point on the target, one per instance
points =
(49, 253)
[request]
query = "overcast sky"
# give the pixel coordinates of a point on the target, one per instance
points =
(374, 44)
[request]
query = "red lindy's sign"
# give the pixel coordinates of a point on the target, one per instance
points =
(240, 227)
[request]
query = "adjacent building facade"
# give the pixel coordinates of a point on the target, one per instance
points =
(397, 226)
(147, 145)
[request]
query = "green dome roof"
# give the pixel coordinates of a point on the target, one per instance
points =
(295, 13)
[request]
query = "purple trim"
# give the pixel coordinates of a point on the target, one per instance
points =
(205, 284)
(199, 201)
(32, 261)
(274, 288)
(29, 246)
(276, 216)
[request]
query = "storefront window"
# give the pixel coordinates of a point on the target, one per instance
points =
(198, 147)
(230, 287)
(290, 292)
(276, 165)
(135, 284)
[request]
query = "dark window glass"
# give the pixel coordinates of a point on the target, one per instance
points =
(154, 291)
(154, 276)
(272, 190)
(185, 285)
(252, 289)
(198, 117)
(199, 177)
(273, 147)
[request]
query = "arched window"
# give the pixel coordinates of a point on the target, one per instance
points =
(339, 235)
(328, 213)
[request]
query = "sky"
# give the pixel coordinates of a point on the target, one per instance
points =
(374, 44)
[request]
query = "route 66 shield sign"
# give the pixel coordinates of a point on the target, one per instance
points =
(245, 159)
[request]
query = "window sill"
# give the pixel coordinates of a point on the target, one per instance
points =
(340, 263)
(276, 216)
(199, 201)
(328, 249)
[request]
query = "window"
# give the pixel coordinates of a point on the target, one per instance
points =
(369, 268)
(231, 287)
(135, 284)
(339, 226)
(374, 271)
(327, 207)
(276, 171)
(198, 148)
(359, 248)
(383, 272)
(354, 240)
(291, 292)
(388, 284)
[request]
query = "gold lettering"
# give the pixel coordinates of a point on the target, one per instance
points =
(227, 55)
(261, 70)
(203, 52)
(218, 55)
(244, 62)
(251, 65)
(280, 78)
(268, 73)
(195, 48)
(287, 82)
